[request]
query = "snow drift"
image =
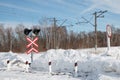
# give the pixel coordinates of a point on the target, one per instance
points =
(91, 66)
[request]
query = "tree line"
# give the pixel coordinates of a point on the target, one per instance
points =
(52, 37)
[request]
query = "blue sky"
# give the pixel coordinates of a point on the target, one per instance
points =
(31, 11)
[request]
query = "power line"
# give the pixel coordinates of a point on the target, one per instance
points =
(56, 28)
(88, 21)
(96, 15)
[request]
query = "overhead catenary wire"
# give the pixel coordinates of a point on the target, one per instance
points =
(98, 14)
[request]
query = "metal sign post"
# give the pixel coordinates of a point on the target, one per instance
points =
(109, 34)
(32, 41)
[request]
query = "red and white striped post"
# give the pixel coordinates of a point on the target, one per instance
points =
(76, 68)
(109, 34)
(27, 66)
(8, 65)
(50, 67)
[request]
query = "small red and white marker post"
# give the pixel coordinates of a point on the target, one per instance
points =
(109, 34)
(8, 65)
(27, 66)
(76, 68)
(50, 67)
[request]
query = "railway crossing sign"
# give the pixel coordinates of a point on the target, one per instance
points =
(32, 44)
(31, 37)
(31, 50)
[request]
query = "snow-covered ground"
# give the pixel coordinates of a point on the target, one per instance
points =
(91, 65)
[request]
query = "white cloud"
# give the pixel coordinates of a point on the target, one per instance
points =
(18, 7)
(89, 9)
(67, 5)
(110, 5)
(14, 24)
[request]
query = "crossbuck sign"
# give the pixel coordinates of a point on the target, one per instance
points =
(32, 38)
(32, 44)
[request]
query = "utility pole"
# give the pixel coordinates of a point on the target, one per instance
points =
(54, 20)
(95, 30)
(11, 42)
(97, 15)
(54, 30)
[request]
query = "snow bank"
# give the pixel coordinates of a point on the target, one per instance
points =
(90, 66)
(12, 57)
(63, 60)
